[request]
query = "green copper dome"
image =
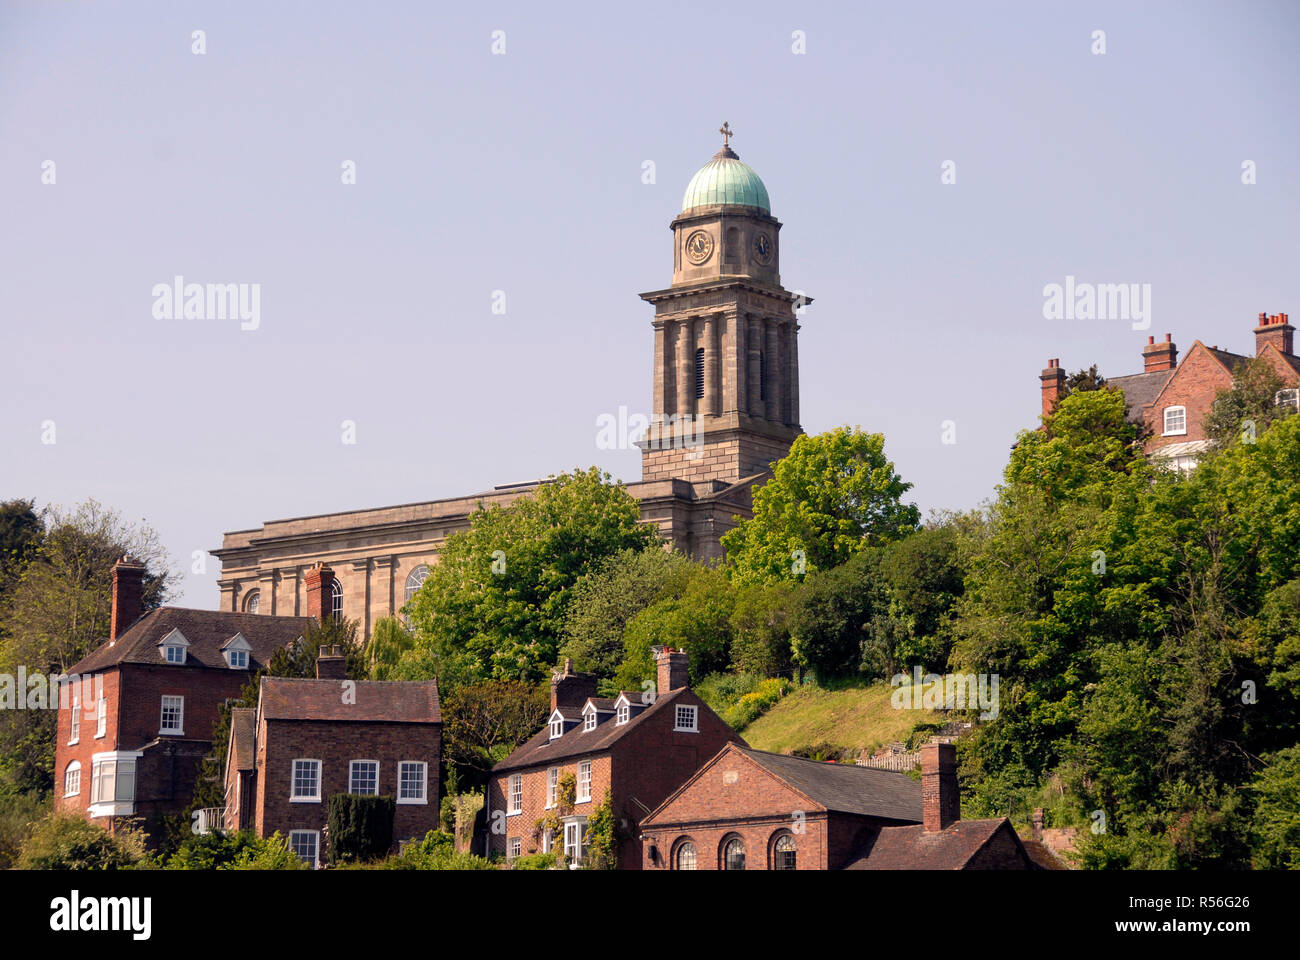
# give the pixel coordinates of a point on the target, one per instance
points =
(724, 179)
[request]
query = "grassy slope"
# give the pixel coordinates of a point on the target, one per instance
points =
(860, 718)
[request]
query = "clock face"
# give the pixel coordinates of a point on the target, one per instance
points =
(699, 247)
(763, 248)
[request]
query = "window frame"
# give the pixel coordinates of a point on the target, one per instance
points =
(589, 719)
(724, 848)
(179, 730)
(74, 717)
(1287, 397)
(352, 768)
(294, 796)
(514, 848)
(123, 770)
(579, 826)
(315, 835)
(679, 848)
(1182, 409)
(584, 766)
(552, 786)
(778, 838)
(336, 600)
(73, 766)
(622, 712)
(101, 717)
(514, 795)
(424, 782)
(694, 711)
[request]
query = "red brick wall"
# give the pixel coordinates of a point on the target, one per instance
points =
(280, 742)
(88, 744)
(1193, 385)
(648, 763)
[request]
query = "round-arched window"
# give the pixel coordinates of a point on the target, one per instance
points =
(783, 852)
(415, 579)
(72, 779)
(685, 857)
(253, 601)
(733, 854)
(336, 600)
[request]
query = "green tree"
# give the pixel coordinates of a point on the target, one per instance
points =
(609, 596)
(1249, 406)
(494, 605)
(21, 533)
(760, 625)
(71, 842)
(483, 722)
(698, 622)
(832, 496)
(389, 642)
(1275, 824)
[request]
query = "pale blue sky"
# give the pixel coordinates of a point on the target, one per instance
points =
(522, 173)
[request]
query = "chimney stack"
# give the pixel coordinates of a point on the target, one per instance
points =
(673, 670)
(1159, 356)
(940, 803)
(1053, 378)
(569, 689)
(320, 591)
(128, 595)
(331, 664)
(1276, 330)
(1038, 823)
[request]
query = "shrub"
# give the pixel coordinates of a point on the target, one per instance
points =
(437, 851)
(270, 853)
(536, 861)
(360, 827)
(70, 842)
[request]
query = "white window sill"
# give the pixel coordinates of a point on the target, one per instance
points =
(583, 800)
(686, 729)
(1174, 433)
(113, 808)
(73, 743)
(514, 813)
(171, 733)
(412, 802)
(304, 799)
(100, 736)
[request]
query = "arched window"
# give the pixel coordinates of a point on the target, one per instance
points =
(762, 375)
(699, 373)
(783, 852)
(733, 854)
(252, 601)
(336, 600)
(72, 779)
(684, 858)
(415, 579)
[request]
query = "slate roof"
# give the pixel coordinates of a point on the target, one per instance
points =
(243, 730)
(207, 632)
(1140, 389)
(376, 701)
(540, 748)
(845, 788)
(912, 848)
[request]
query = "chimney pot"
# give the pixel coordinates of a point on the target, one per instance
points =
(1159, 356)
(330, 663)
(128, 595)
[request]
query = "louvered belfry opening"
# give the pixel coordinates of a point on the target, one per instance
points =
(699, 373)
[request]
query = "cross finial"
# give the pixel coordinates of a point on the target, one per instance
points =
(726, 132)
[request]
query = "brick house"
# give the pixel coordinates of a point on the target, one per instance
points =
(308, 740)
(751, 810)
(639, 752)
(137, 717)
(1170, 400)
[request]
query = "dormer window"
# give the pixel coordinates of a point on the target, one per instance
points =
(589, 720)
(236, 651)
(624, 712)
(557, 724)
(173, 647)
(1175, 421)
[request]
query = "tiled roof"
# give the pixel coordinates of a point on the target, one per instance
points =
(243, 729)
(1140, 389)
(1042, 854)
(912, 848)
(207, 632)
(846, 788)
(375, 701)
(540, 748)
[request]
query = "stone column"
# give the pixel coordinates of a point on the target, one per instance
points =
(773, 355)
(794, 372)
(660, 371)
(737, 364)
(711, 367)
(685, 369)
(754, 390)
(288, 603)
(362, 570)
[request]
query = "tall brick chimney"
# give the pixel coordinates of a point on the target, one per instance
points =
(1159, 356)
(940, 802)
(319, 582)
(1276, 330)
(569, 689)
(673, 674)
(331, 664)
(128, 595)
(1053, 378)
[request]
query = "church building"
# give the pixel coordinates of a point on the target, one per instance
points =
(725, 406)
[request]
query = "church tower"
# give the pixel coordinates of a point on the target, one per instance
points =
(726, 362)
